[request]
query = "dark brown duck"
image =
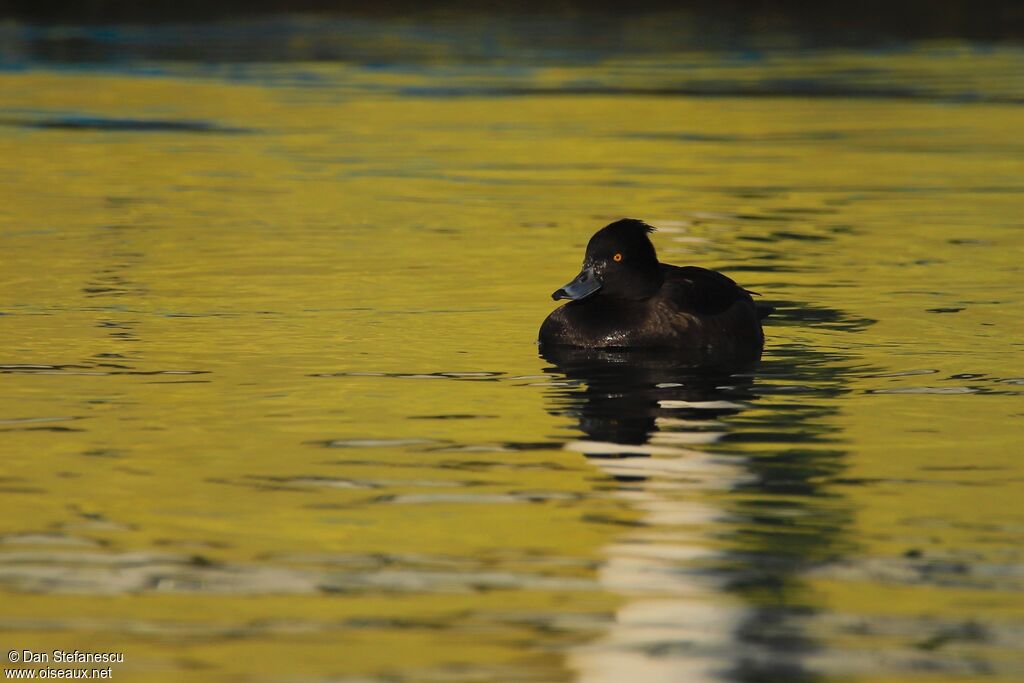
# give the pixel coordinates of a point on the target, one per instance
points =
(625, 298)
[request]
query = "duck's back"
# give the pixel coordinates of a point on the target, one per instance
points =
(708, 310)
(701, 291)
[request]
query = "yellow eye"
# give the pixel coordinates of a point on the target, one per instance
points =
(617, 258)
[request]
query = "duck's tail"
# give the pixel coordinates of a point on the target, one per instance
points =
(763, 310)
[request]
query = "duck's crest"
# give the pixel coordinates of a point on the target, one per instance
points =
(634, 223)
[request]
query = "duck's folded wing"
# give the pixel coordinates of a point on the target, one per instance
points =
(701, 291)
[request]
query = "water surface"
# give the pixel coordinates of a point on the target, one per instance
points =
(272, 409)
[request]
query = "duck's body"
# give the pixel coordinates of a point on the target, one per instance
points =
(625, 298)
(694, 309)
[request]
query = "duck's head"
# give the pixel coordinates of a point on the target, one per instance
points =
(620, 262)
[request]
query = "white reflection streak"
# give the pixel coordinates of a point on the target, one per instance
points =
(670, 629)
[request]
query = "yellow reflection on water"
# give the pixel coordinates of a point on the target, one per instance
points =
(271, 404)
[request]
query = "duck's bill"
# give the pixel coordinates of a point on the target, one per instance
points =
(585, 284)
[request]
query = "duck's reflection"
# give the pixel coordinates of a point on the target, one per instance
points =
(623, 394)
(726, 474)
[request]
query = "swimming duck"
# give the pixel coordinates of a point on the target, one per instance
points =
(625, 298)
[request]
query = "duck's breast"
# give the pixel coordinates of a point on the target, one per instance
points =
(594, 323)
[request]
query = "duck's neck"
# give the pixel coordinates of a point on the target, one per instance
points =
(637, 285)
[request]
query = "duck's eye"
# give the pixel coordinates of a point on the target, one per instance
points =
(617, 258)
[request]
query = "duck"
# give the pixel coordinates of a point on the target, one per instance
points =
(625, 298)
